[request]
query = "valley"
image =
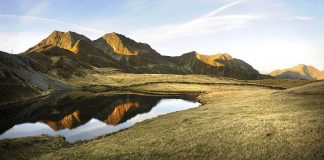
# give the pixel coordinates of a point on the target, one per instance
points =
(68, 84)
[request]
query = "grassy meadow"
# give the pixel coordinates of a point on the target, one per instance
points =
(233, 122)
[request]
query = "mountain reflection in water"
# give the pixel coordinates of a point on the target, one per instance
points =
(82, 115)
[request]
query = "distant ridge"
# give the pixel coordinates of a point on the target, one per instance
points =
(300, 71)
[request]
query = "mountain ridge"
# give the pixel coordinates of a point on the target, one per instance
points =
(76, 53)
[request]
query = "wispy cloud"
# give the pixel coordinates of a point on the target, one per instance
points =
(205, 24)
(302, 18)
(54, 21)
(38, 8)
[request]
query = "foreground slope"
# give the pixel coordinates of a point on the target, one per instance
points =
(231, 124)
(311, 89)
(300, 71)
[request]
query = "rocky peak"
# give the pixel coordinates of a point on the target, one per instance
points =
(300, 66)
(213, 59)
(60, 39)
(121, 44)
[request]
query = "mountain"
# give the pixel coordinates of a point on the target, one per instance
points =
(20, 80)
(66, 54)
(65, 40)
(135, 55)
(300, 71)
(146, 60)
(218, 65)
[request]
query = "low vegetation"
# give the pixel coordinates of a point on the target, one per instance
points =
(233, 122)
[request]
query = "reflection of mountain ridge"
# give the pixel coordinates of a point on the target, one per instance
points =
(74, 109)
(115, 117)
(66, 122)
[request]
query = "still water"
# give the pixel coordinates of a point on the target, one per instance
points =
(83, 115)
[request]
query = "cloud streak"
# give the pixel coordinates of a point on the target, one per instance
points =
(54, 21)
(38, 8)
(205, 24)
(302, 18)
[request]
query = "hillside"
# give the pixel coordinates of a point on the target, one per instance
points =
(118, 51)
(19, 80)
(309, 89)
(300, 71)
(63, 55)
(65, 40)
(222, 65)
(70, 52)
(132, 54)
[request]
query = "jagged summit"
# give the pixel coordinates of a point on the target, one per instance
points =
(214, 59)
(224, 56)
(65, 40)
(300, 71)
(120, 44)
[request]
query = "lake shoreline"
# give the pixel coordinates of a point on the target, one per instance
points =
(256, 112)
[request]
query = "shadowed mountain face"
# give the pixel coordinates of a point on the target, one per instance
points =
(18, 79)
(71, 109)
(300, 71)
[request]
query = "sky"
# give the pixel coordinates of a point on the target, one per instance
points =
(268, 34)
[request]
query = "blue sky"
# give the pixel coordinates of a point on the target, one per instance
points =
(268, 34)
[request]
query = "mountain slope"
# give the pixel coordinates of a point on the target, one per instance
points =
(19, 80)
(55, 61)
(218, 65)
(132, 54)
(300, 71)
(65, 40)
(64, 54)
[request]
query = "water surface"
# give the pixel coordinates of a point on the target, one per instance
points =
(83, 115)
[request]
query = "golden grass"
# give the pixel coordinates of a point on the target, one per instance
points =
(286, 83)
(126, 79)
(233, 122)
